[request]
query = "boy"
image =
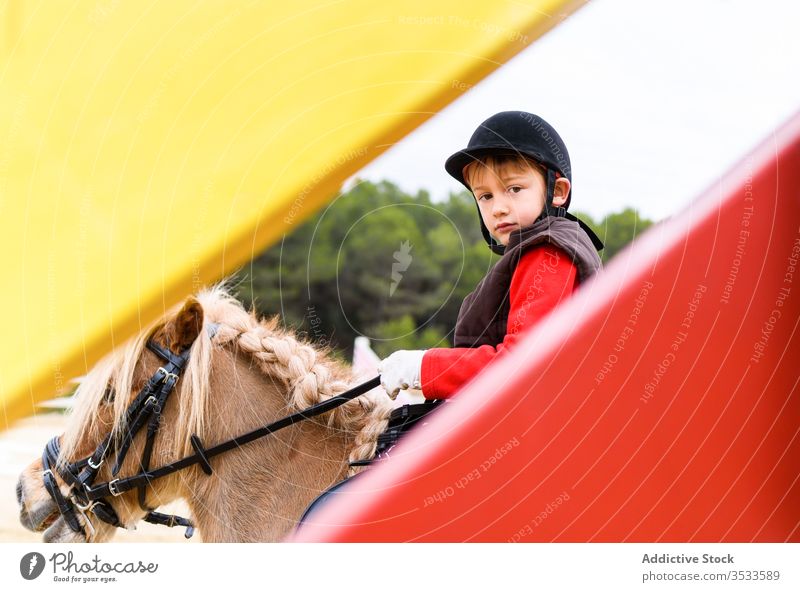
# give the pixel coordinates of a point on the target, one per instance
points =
(518, 170)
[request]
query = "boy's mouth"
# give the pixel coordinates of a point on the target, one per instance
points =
(504, 226)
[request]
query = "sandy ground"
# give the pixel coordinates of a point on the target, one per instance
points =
(23, 443)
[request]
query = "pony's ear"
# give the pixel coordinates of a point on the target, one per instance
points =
(186, 326)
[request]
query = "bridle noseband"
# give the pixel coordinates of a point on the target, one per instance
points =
(147, 408)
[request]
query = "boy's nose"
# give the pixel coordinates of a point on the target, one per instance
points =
(501, 207)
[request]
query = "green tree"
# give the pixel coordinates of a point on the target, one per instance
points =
(404, 333)
(617, 230)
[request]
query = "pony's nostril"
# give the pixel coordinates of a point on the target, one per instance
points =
(19, 492)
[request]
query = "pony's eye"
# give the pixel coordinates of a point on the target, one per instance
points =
(109, 394)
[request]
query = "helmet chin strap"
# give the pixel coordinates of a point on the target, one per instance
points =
(549, 209)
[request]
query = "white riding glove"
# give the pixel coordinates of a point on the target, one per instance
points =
(401, 370)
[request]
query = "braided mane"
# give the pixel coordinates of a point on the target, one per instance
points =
(308, 372)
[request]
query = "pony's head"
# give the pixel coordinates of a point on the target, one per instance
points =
(237, 373)
(101, 404)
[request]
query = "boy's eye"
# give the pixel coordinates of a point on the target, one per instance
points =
(514, 189)
(486, 195)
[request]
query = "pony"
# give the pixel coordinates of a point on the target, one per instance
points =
(245, 374)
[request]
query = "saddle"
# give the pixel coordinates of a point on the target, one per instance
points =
(401, 420)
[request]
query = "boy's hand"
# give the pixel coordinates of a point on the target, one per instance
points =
(401, 370)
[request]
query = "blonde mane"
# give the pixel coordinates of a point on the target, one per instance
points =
(307, 371)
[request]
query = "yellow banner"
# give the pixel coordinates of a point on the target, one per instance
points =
(150, 148)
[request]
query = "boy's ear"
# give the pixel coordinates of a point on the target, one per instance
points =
(182, 331)
(561, 191)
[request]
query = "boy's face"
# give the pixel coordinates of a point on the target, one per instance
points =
(511, 196)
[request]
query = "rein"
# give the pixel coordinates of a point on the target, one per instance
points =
(146, 408)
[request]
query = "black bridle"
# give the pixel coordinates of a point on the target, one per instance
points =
(146, 408)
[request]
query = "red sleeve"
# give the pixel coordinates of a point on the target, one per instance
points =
(542, 279)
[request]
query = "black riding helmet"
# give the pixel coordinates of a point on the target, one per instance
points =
(523, 134)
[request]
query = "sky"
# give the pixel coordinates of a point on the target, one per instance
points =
(655, 100)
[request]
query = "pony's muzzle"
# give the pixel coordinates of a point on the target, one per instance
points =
(41, 515)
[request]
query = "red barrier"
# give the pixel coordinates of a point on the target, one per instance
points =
(660, 404)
